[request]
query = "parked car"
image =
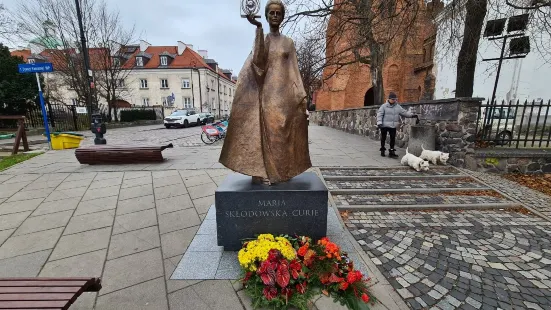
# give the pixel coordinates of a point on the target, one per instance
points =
(182, 118)
(206, 118)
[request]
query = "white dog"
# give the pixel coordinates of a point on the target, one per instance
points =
(434, 156)
(414, 162)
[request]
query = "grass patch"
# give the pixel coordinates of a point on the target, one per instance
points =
(12, 160)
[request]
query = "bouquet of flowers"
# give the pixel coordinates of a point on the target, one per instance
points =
(280, 272)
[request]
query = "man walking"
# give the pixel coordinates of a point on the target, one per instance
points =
(388, 117)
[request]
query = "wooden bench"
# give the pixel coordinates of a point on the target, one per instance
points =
(20, 133)
(44, 293)
(121, 154)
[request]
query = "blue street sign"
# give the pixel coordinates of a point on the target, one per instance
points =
(36, 68)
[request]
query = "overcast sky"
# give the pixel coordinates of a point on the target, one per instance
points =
(213, 25)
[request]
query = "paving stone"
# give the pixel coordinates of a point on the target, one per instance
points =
(141, 181)
(24, 266)
(84, 265)
(34, 242)
(170, 191)
(19, 206)
(176, 242)
(146, 295)
(168, 180)
(89, 222)
(13, 220)
(44, 222)
(88, 241)
(133, 221)
(103, 183)
(197, 266)
(66, 194)
(121, 272)
(56, 206)
(74, 184)
(133, 242)
(96, 205)
(174, 285)
(31, 194)
(134, 192)
(178, 220)
(203, 204)
(135, 204)
(173, 204)
(201, 191)
(200, 296)
(228, 268)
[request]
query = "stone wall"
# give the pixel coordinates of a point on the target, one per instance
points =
(454, 121)
(510, 161)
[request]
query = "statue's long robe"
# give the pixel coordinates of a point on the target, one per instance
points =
(268, 129)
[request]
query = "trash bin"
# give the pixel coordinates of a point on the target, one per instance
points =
(421, 135)
(66, 140)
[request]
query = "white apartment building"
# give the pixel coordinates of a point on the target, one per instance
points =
(176, 77)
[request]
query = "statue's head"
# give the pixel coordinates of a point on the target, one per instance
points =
(275, 12)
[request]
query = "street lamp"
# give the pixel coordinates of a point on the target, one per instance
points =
(87, 71)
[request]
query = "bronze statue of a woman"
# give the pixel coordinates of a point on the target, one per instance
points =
(267, 135)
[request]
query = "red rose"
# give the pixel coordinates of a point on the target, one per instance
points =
(365, 297)
(334, 279)
(343, 286)
(351, 277)
(269, 292)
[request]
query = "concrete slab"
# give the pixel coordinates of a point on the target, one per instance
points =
(168, 180)
(23, 266)
(176, 242)
(83, 265)
(66, 194)
(172, 204)
(56, 206)
(200, 296)
(96, 205)
(147, 295)
(131, 270)
(201, 191)
(44, 222)
(178, 220)
(133, 221)
(138, 191)
(25, 244)
(133, 242)
(91, 221)
(83, 242)
(13, 220)
(19, 206)
(170, 191)
(203, 204)
(135, 205)
(92, 194)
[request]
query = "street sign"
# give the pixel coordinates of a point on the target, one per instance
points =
(36, 68)
(81, 110)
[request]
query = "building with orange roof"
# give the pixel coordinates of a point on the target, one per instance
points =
(176, 77)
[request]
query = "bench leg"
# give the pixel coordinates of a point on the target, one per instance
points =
(24, 136)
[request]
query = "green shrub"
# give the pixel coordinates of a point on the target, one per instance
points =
(138, 115)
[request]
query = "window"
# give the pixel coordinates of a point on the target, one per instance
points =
(139, 61)
(187, 103)
(145, 102)
(230, 92)
(185, 83)
(31, 60)
(143, 83)
(164, 83)
(164, 61)
(225, 90)
(120, 83)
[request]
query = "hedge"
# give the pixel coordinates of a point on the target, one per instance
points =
(138, 115)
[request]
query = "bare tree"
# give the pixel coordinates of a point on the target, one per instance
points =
(112, 58)
(7, 25)
(356, 31)
(310, 65)
(107, 39)
(460, 26)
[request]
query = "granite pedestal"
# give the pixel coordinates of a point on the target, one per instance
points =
(245, 210)
(421, 136)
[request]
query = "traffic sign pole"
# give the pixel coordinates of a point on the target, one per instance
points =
(44, 115)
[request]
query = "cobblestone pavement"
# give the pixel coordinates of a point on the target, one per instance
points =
(405, 184)
(415, 199)
(523, 194)
(460, 260)
(388, 172)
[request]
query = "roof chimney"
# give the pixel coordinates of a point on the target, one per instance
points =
(203, 53)
(144, 45)
(181, 47)
(190, 46)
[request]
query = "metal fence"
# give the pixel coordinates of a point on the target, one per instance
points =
(60, 118)
(515, 124)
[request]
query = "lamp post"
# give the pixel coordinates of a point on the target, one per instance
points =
(87, 73)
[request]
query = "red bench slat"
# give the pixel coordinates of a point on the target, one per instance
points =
(51, 304)
(48, 279)
(4, 283)
(31, 290)
(36, 297)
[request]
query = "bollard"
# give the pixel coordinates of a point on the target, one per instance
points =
(421, 135)
(98, 128)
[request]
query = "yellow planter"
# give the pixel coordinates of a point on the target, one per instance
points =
(65, 141)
